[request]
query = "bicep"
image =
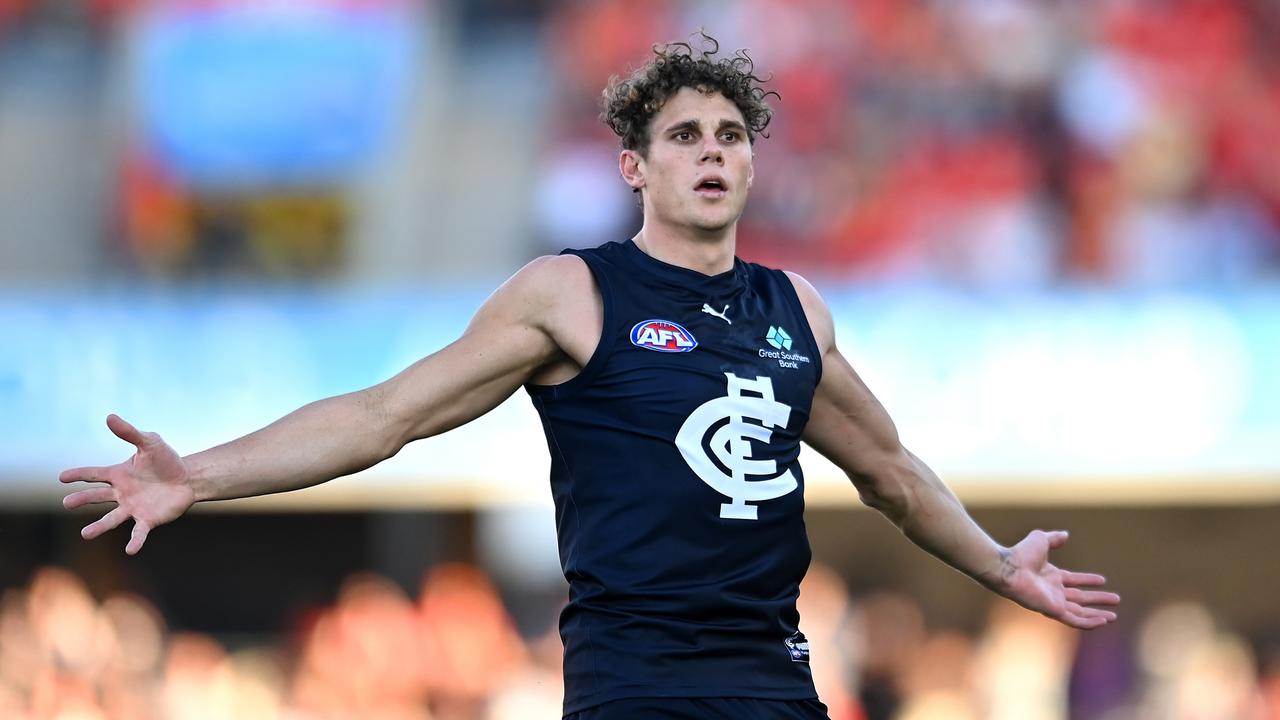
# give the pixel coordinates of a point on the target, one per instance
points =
(848, 425)
(503, 346)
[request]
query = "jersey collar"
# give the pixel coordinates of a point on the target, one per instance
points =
(682, 278)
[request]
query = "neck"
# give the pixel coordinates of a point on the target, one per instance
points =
(708, 253)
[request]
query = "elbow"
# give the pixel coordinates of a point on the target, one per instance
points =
(888, 486)
(889, 500)
(385, 433)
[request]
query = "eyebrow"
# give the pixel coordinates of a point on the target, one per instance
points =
(693, 125)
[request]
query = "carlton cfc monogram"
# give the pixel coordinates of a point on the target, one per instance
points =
(730, 445)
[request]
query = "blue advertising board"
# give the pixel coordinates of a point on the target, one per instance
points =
(1173, 387)
(269, 93)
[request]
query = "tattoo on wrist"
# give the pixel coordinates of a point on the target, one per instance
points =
(1007, 568)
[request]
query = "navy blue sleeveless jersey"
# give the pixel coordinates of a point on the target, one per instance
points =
(679, 498)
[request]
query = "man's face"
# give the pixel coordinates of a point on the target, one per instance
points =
(698, 167)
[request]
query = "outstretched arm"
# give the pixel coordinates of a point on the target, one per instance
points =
(851, 428)
(507, 341)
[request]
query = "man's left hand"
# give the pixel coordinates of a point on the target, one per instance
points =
(1028, 578)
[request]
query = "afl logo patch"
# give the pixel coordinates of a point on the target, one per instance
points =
(797, 647)
(662, 336)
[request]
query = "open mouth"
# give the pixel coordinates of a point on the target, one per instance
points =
(711, 187)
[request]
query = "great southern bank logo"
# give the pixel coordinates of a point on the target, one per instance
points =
(735, 472)
(662, 336)
(778, 338)
(781, 342)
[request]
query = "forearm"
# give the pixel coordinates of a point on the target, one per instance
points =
(318, 442)
(348, 433)
(915, 499)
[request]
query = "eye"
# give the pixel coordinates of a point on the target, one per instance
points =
(683, 136)
(731, 136)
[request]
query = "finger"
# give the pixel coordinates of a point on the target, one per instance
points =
(1092, 597)
(1057, 538)
(137, 537)
(91, 496)
(1085, 623)
(85, 474)
(1097, 620)
(110, 521)
(1079, 578)
(1088, 613)
(125, 431)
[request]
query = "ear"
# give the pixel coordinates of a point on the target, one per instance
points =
(631, 165)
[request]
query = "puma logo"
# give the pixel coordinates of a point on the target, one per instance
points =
(708, 310)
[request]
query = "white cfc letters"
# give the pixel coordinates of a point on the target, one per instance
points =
(731, 447)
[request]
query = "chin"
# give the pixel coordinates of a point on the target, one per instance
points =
(706, 225)
(717, 222)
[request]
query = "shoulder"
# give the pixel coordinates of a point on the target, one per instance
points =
(549, 269)
(548, 280)
(555, 293)
(815, 310)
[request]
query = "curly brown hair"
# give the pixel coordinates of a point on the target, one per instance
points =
(630, 103)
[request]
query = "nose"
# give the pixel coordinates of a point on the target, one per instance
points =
(712, 152)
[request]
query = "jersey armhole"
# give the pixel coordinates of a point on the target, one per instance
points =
(604, 346)
(793, 299)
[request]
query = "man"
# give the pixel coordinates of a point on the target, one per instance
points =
(674, 383)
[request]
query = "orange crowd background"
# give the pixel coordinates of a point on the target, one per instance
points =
(1001, 144)
(453, 653)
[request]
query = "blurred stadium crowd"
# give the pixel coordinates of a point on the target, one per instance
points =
(453, 653)
(982, 143)
(989, 143)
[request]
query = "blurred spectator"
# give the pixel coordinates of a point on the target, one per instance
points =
(981, 144)
(1102, 677)
(1001, 144)
(940, 684)
(578, 199)
(1194, 669)
(894, 630)
(453, 653)
(1022, 666)
(467, 639)
(363, 658)
(834, 645)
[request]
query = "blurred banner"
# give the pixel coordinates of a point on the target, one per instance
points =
(1169, 392)
(238, 94)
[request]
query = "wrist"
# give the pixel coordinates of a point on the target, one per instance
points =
(197, 479)
(999, 574)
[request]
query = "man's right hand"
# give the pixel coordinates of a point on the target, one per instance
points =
(153, 487)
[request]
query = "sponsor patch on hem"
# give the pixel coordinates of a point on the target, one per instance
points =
(797, 647)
